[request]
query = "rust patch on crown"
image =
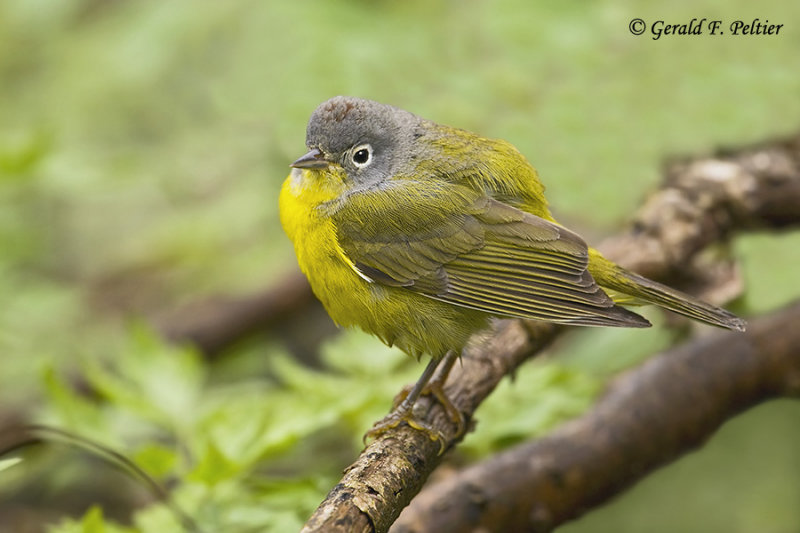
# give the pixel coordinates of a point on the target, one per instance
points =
(338, 110)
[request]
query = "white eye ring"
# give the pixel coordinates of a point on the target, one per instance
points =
(361, 155)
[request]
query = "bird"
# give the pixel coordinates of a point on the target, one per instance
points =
(421, 234)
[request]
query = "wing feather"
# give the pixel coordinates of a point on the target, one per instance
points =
(476, 252)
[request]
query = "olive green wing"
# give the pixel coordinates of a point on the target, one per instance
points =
(456, 245)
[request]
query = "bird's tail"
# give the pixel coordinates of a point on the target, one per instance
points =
(612, 276)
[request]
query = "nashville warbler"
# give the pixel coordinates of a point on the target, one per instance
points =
(420, 233)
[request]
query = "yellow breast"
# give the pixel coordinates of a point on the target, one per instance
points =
(331, 274)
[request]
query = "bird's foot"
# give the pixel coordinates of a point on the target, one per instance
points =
(399, 416)
(403, 409)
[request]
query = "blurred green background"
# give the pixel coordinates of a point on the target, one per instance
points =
(142, 147)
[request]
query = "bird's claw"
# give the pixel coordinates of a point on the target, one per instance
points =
(405, 413)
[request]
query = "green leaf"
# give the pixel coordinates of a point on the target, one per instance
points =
(151, 379)
(156, 459)
(71, 408)
(91, 522)
(213, 467)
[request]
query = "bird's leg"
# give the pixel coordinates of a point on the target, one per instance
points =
(435, 387)
(403, 411)
(404, 403)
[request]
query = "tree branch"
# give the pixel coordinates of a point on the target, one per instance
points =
(212, 325)
(651, 415)
(702, 202)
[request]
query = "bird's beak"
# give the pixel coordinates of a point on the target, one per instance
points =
(313, 159)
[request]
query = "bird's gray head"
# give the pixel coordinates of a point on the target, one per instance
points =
(368, 139)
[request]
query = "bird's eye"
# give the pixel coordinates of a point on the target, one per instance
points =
(362, 155)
